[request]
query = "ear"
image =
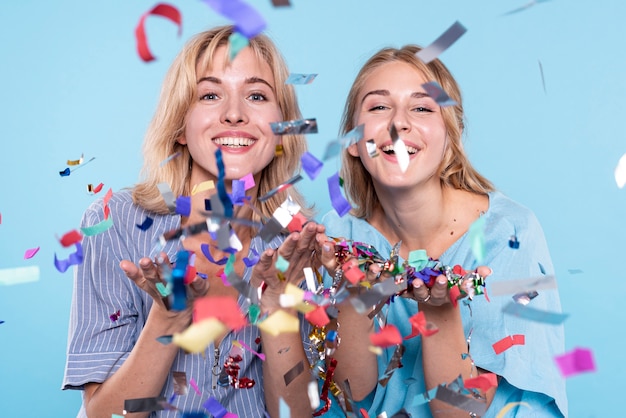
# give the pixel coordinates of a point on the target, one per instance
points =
(182, 140)
(353, 149)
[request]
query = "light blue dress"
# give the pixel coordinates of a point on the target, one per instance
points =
(529, 373)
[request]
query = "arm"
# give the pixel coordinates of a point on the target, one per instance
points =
(441, 352)
(296, 249)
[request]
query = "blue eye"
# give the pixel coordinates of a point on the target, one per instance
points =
(257, 97)
(422, 109)
(209, 96)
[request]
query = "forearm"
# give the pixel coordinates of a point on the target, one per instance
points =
(142, 375)
(355, 362)
(442, 355)
(282, 353)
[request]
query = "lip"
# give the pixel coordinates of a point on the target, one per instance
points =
(234, 134)
(393, 157)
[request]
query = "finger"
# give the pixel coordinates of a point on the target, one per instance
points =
(420, 291)
(484, 271)
(289, 246)
(149, 269)
(199, 287)
(131, 271)
(327, 255)
(374, 272)
(439, 291)
(306, 243)
(261, 269)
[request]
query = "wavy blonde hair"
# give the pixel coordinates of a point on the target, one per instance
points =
(455, 170)
(168, 125)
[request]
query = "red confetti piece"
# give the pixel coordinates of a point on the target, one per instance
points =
(508, 342)
(386, 337)
(164, 10)
(483, 382)
(71, 238)
(419, 326)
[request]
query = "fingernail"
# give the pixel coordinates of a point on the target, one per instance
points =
(144, 263)
(416, 284)
(442, 281)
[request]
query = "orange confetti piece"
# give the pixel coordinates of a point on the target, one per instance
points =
(164, 10)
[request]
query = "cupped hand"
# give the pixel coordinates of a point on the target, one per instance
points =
(439, 293)
(298, 250)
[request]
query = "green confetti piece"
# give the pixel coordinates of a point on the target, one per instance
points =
(418, 259)
(230, 265)
(163, 290)
(237, 42)
(97, 228)
(476, 235)
(281, 264)
(253, 313)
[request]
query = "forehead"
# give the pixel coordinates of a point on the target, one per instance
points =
(394, 74)
(247, 63)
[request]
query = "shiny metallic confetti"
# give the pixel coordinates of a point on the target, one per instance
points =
(620, 172)
(294, 127)
(437, 93)
(450, 36)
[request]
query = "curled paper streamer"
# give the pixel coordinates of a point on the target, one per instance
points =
(74, 258)
(98, 228)
(300, 78)
(442, 43)
(509, 406)
(164, 10)
(294, 127)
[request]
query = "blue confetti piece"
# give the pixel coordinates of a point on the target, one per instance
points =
(183, 205)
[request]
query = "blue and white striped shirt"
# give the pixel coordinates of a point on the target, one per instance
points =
(97, 345)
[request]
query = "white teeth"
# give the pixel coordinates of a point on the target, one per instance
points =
(389, 148)
(234, 141)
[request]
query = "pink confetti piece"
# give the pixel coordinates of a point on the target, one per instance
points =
(247, 347)
(30, 253)
(164, 10)
(194, 386)
(577, 361)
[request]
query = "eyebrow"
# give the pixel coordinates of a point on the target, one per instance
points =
(249, 80)
(415, 95)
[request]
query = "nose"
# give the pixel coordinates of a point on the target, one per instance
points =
(401, 121)
(234, 112)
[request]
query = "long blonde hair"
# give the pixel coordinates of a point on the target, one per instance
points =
(168, 125)
(455, 170)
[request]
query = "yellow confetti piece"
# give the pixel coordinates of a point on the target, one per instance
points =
(279, 322)
(76, 162)
(376, 350)
(297, 295)
(199, 335)
(203, 187)
(510, 406)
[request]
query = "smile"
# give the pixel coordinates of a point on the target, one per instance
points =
(234, 142)
(388, 149)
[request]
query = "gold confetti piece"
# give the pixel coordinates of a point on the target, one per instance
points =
(76, 162)
(199, 335)
(203, 187)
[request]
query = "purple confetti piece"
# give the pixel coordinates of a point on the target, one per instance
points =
(249, 262)
(238, 192)
(339, 203)
(74, 258)
(207, 254)
(215, 408)
(30, 253)
(311, 165)
(183, 205)
(248, 21)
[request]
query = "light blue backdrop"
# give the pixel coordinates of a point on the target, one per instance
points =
(72, 83)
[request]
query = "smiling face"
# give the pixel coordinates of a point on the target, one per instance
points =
(392, 94)
(232, 110)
